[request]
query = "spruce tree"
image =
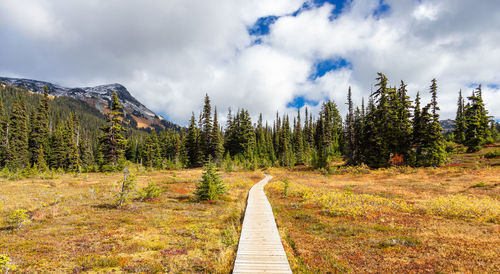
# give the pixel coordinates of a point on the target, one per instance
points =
(459, 131)
(404, 125)
(216, 139)
(349, 130)
(474, 134)
(297, 140)
(3, 135)
(206, 145)
(39, 134)
(211, 185)
(18, 136)
(434, 141)
(112, 143)
(192, 144)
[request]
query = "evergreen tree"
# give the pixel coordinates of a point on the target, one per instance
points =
(4, 140)
(298, 142)
(211, 185)
(192, 144)
(18, 136)
(39, 135)
(435, 153)
(349, 130)
(459, 131)
(151, 156)
(474, 134)
(404, 125)
(328, 134)
(112, 142)
(216, 139)
(207, 148)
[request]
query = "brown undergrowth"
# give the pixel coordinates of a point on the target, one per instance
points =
(389, 220)
(76, 226)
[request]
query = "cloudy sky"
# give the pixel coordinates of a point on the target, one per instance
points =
(258, 54)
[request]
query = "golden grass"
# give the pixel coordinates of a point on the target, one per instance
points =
(75, 226)
(390, 220)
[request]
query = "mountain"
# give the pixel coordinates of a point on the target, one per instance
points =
(99, 97)
(447, 125)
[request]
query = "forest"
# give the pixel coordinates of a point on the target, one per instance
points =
(40, 133)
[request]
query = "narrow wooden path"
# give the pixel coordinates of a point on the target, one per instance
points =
(260, 249)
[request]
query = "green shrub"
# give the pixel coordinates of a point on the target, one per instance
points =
(211, 185)
(127, 184)
(492, 154)
(18, 218)
(6, 264)
(285, 187)
(148, 193)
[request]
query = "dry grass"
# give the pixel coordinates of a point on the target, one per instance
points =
(390, 220)
(75, 226)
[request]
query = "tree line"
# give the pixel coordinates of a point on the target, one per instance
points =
(390, 129)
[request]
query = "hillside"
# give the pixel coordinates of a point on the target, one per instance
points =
(99, 97)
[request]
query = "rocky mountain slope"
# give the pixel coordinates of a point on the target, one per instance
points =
(99, 97)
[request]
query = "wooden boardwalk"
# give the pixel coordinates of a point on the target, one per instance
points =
(260, 249)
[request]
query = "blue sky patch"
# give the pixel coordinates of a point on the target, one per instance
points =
(261, 26)
(493, 86)
(339, 7)
(473, 85)
(382, 9)
(300, 101)
(321, 67)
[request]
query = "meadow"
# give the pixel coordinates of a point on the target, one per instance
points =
(344, 219)
(76, 227)
(400, 219)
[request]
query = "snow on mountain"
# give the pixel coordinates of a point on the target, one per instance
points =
(98, 97)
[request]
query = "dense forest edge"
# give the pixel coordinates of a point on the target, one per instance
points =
(45, 134)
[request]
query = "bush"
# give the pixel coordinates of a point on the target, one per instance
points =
(18, 218)
(492, 154)
(285, 187)
(6, 264)
(211, 185)
(126, 186)
(148, 193)
(463, 206)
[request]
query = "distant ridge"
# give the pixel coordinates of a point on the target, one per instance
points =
(99, 97)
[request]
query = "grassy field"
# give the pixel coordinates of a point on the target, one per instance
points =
(390, 220)
(75, 226)
(349, 219)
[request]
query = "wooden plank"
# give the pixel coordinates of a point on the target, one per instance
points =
(260, 249)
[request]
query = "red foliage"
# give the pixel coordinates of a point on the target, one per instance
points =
(397, 160)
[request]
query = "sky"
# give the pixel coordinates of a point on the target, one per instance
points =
(264, 56)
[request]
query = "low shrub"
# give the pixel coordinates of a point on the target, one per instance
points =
(18, 218)
(148, 193)
(464, 206)
(492, 154)
(6, 264)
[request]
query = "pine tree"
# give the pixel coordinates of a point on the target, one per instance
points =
(474, 134)
(404, 125)
(435, 154)
(349, 130)
(39, 135)
(151, 156)
(217, 142)
(192, 144)
(206, 145)
(3, 135)
(298, 142)
(18, 136)
(112, 143)
(459, 131)
(211, 185)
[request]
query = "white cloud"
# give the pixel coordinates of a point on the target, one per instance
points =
(170, 53)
